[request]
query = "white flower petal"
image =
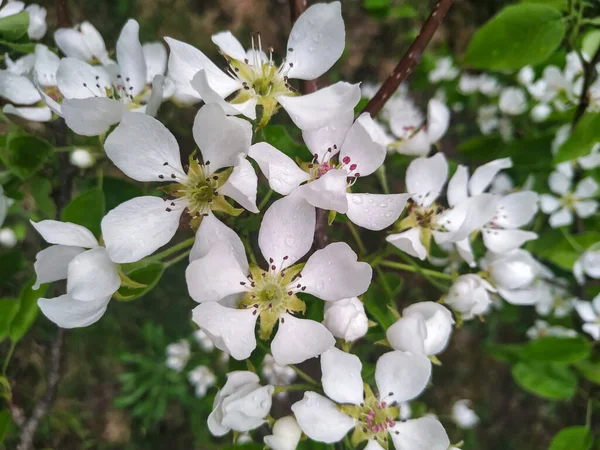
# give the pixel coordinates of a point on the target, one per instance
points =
(248, 412)
(457, 191)
(320, 419)
(46, 66)
(409, 242)
(141, 145)
(549, 203)
(229, 45)
(593, 329)
(65, 233)
(94, 42)
(502, 241)
(408, 335)
(586, 188)
(130, 57)
(216, 275)
(438, 120)
(425, 178)
(320, 108)
(416, 145)
(327, 192)
(51, 263)
(316, 42)
(559, 183)
(231, 330)
(585, 311)
(72, 43)
(586, 208)
(561, 218)
(484, 175)
(156, 96)
(401, 376)
(286, 434)
(517, 209)
(425, 433)
(92, 116)
(464, 249)
(480, 210)
(221, 138)
(184, 63)
(331, 136)
(242, 184)
(283, 173)
(138, 227)
(341, 377)
(37, 21)
(209, 95)
(333, 273)
(77, 79)
(299, 339)
(375, 211)
(155, 56)
(287, 230)
(363, 146)
(92, 275)
(18, 89)
(66, 312)
(438, 322)
(527, 296)
(35, 114)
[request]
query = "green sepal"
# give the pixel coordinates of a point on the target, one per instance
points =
(220, 204)
(406, 223)
(331, 217)
(128, 282)
(268, 319)
(434, 360)
(394, 312)
(291, 272)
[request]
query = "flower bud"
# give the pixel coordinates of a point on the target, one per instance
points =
(513, 270)
(8, 238)
(241, 405)
(346, 319)
(82, 158)
(469, 295)
(463, 415)
(286, 434)
(424, 328)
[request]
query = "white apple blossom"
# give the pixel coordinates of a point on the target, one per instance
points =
(469, 296)
(463, 415)
(316, 42)
(286, 434)
(415, 135)
(178, 355)
(276, 374)
(92, 277)
(83, 42)
(82, 158)
(359, 151)
(589, 161)
(540, 112)
(144, 149)
(557, 301)
(588, 264)
(204, 341)
(487, 119)
(543, 329)
(468, 84)
(219, 274)
(92, 98)
(37, 16)
(517, 276)
(444, 70)
(424, 329)
(399, 377)
(526, 76)
(488, 85)
(512, 101)
(580, 201)
(346, 319)
(590, 314)
(8, 238)
(241, 405)
(202, 378)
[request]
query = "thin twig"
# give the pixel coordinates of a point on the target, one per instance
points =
(589, 76)
(410, 59)
(62, 14)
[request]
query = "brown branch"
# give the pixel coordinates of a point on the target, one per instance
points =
(589, 76)
(410, 59)
(62, 14)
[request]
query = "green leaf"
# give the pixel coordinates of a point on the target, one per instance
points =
(589, 370)
(41, 189)
(504, 352)
(279, 137)
(8, 310)
(559, 4)
(14, 27)
(5, 423)
(10, 263)
(28, 310)
(405, 11)
(23, 154)
(18, 47)
(376, 4)
(556, 349)
(519, 35)
(585, 135)
(148, 276)
(552, 381)
(118, 190)
(87, 210)
(591, 41)
(572, 438)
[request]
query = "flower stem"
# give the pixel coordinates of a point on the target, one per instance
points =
(265, 200)
(293, 387)
(177, 259)
(11, 349)
(306, 377)
(168, 252)
(361, 246)
(416, 269)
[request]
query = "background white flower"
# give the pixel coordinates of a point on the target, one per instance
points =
(178, 355)
(590, 314)
(202, 378)
(346, 319)
(463, 415)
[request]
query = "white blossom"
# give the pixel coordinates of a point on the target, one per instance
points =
(468, 84)
(8, 238)
(204, 341)
(346, 319)
(590, 314)
(470, 296)
(399, 377)
(444, 70)
(144, 149)
(37, 17)
(92, 277)
(241, 405)
(488, 85)
(588, 264)
(82, 158)
(540, 112)
(178, 355)
(487, 119)
(512, 101)
(277, 374)
(202, 378)
(463, 415)
(526, 76)
(557, 300)
(286, 434)
(83, 42)
(542, 329)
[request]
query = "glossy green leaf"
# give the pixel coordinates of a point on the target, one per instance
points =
(23, 154)
(572, 438)
(28, 47)
(40, 190)
(148, 276)
(556, 349)
(87, 209)
(591, 41)
(28, 311)
(552, 381)
(585, 135)
(9, 307)
(559, 4)
(589, 370)
(519, 35)
(14, 27)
